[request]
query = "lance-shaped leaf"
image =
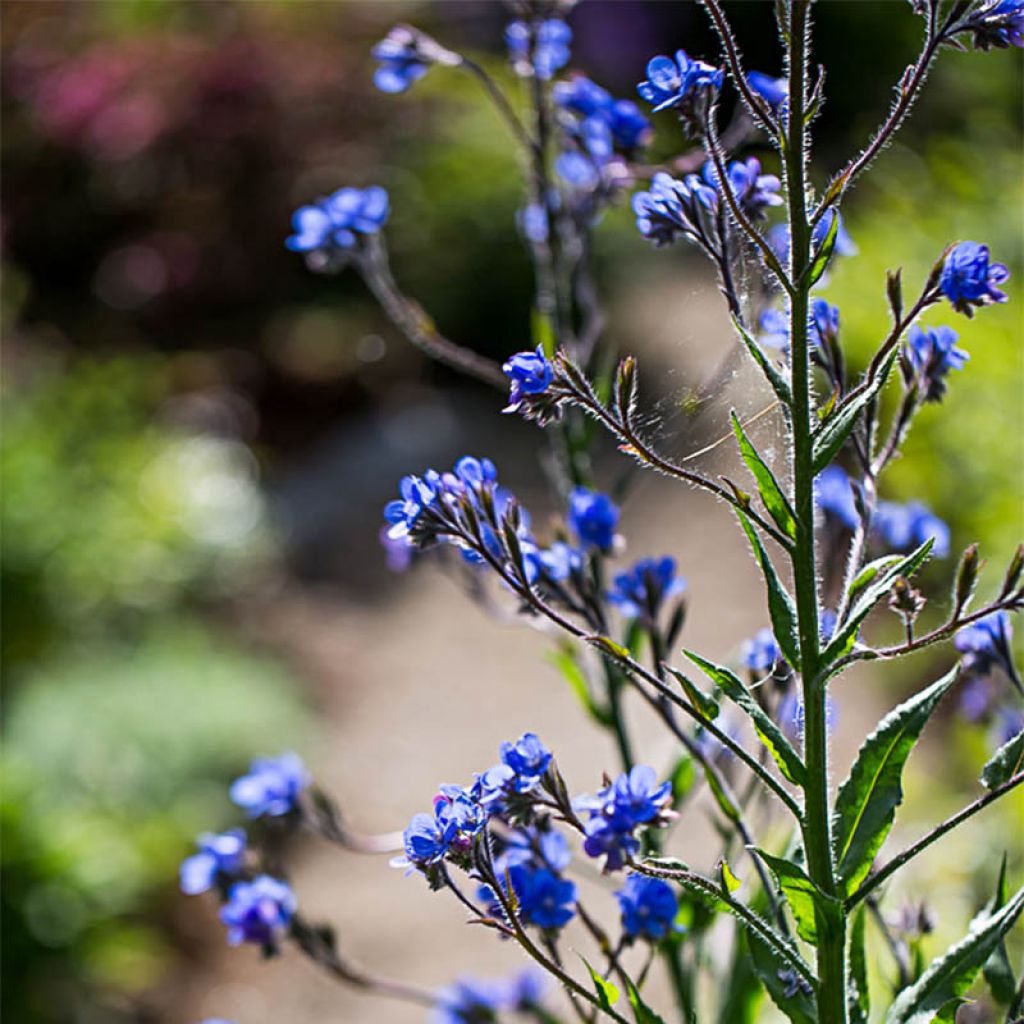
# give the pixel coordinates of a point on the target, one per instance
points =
(702, 703)
(949, 977)
(790, 993)
(858, 1001)
(809, 904)
(607, 993)
(998, 970)
(867, 801)
(779, 383)
(768, 487)
(825, 250)
(780, 604)
(768, 732)
(641, 1011)
(832, 434)
(872, 584)
(1006, 762)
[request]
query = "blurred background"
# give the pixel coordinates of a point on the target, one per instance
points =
(199, 435)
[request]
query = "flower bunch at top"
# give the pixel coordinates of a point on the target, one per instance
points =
(540, 49)
(649, 907)
(641, 591)
(999, 24)
(258, 911)
(617, 812)
(405, 55)
(969, 280)
(678, 82)
(272, 787)
(221, 858)
(929, 354)
(330, 228)
(905, 526)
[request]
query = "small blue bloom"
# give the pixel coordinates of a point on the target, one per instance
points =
(985, 644)
(822, 326)
(824, 323)
(468, 1001)
(969, 279)
(528, 759)
(932, 353)
(560, 561)
(790, 715)
(833, 494)
(773, 326)
(604, 840)
(550, 47)
(417, 495)
(669, 209)
(761, 653)
(533, 222)
(641, 591)
(220, 857)
(272, 786)
(649, 907)
(578, 171)
(526, 990)
(592, 517)
(545, 900)
(547, 849)
(629, 128)
(999, 24)
(336, 223)
(671, 82)
(581, 96)
(426, 841)
(258, 911)
(772, 90)
(401, 62)
(754, 191)
(778, 237)
(530, 374)
(907, 526)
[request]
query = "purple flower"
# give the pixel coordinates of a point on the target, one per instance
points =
(258, 911)
(468, 1001)
(909, 525)
(592, 517)
(629, 128)
(833, 494)
(969, 279)
(645, 586)
(528, 759)
(401, 62)
(999, 24)
(551, 41)
(426, 841)
(220, 857)
(671, 82)
(648, 906)
(272, 786)
(530, 374)
(985, 644)
(772, 90)
(335, 223)
(545, 900)
(754, 191)
(932, 353)
(761, 653)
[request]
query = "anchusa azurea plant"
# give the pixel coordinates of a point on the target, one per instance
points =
(781, 907)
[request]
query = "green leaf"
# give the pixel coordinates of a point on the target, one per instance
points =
(565, 661)
(607, 993)
(771, 493)
(949, 977)
(729, 882)
(1006, 762)
(682, 777)
(779, 383)
(702, 703)
(867, 801)
(808, 903)
(869, 593)
(606, 645)
(831, 435)
(858, 997)
(780, 604)
(641, 1011)
(768, 732)
(776, 975)
(722, 798)
(997, 969)
(824, 252)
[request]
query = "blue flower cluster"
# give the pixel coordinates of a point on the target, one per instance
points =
(903, 527)
(616, 813)
(761, 653)
(628, 127)
(833, 495)
(272, 787)
(221, 858)
(470, 1001)
(592, 517)
(778, 237)
(676, 82)
(540, 49)
(822, 327)
(258, 911)
(641, 591)
(969, 280)
(405, 55)
(530, 373)
(999, 24)
(330, 227)
(931, 353)
(649, 907)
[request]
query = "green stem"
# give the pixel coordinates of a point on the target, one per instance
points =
(816, 832)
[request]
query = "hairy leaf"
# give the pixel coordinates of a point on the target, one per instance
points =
(607, 993)
(867, 801)
(824, 251)
(779, 383)
(705, 705)
(808, 903)
(768, 487)
(858, 998)
(787, 992)
(1006, 762)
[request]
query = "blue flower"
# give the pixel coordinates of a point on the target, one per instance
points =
(258, 911)
(604, 840)
(1000, 24)
(528, 759)
(907, 526)
(773, 328)
(220, 857)
(336, 223)
(822, 326)
(541, 849)
(645, 586)
(560, 561)
(773, 91)
(272, 786)
(790, 715)
(577, 171)
(778, 237)
(672, 208)
(526, 990)
(629, 128)
(985, 644)
(550, 47)
(833, 494)
(468, 1001)
(761, 653)
(417, 495)
(671, 82)
(969, 279)
(530, 374)
(754, 191)
(649, 907)
(401, 62)
(582, 96)
(824, 323)
(932, 353)
(592, 517)
(426, 841)
(545, 900)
